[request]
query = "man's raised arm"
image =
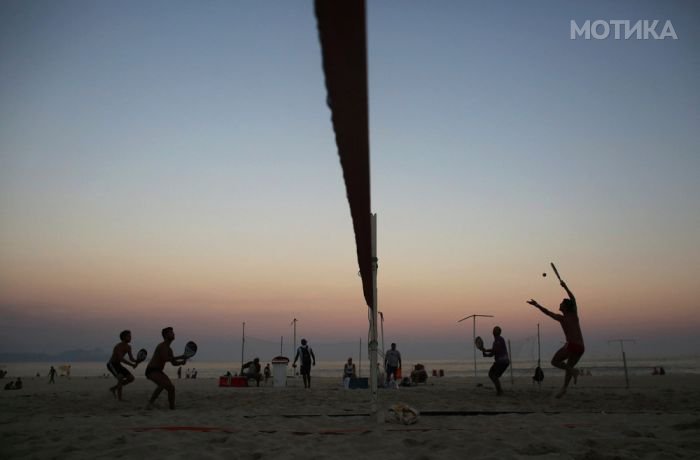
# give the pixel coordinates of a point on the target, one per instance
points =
(534, 303)
(568, 291)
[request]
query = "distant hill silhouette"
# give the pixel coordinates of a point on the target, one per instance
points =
(79, 355)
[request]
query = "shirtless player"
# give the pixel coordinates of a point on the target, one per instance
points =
(114, 365)
(154, 371)
(567, 356)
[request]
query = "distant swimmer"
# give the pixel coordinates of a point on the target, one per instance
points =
(501, 361)
(154, 371)
(569, 355)
(114, 365)
(307, 359)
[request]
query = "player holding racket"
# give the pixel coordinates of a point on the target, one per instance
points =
(569, 355)
(499, 351)
(154, 371)
(114, 365)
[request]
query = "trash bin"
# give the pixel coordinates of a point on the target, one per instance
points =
(279, 371)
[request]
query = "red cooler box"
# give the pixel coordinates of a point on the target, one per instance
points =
(233, 382)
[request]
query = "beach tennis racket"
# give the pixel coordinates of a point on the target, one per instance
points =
(479, 343)
(190, 350)
(556, 272)
(141, 355)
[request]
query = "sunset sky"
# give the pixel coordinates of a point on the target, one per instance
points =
(172, 163)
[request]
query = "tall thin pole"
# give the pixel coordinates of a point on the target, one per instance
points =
(510, 355)
(360, 365)
(474, 332)
(243, 345)
(538, 345)
(624, 357)
(373, 322)
(382, 323)
(474, 340)
(294, 345)
(281, 344)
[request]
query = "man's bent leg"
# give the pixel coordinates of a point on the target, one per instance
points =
(163, 382)
(571, 371)
(559, 358)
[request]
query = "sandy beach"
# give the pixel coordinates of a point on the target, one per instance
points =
(658, 417)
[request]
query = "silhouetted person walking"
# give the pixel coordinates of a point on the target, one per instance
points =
(307, 360)
(52, 375)
(392, 362)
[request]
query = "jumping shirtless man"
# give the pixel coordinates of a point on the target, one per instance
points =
(154, 371)
(114, 365)
(567, 356)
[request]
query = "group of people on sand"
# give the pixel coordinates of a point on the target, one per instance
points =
(252, 370)
(304, 354)
(154, 369)
(14, 385)
(565, 358)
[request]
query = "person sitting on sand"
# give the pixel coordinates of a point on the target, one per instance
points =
(307, 360)
(419, 374)
(114, 365)
(348, 373)
(18, 384)
(567, 356)
(154, 371)
(10, 386)
(251, 370)
(501, 362)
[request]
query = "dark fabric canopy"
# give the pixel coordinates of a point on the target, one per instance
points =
(342, 32)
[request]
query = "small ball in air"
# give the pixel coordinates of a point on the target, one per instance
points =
(544, 274)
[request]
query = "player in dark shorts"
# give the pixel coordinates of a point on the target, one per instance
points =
(154, 371)
(307, 360)
(392, 362)
(569, 355)
(501, 362)
(115, 366)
